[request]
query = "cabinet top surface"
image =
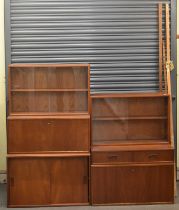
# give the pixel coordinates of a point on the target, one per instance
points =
(48, 65)
(126, 95)
(164, 146)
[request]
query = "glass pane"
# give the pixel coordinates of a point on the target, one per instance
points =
(49, 77)
(49, 89)
(124, 120)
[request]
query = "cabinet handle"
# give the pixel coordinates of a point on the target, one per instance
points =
(12, 181)
(85, 179)
(132, 170)
(153, 155)
(113, 157)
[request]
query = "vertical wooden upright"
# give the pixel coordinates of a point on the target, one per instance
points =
(160, 45)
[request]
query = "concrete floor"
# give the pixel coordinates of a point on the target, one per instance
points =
(139, 207)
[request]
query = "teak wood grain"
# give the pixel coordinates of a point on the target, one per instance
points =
(69, 181)
(160, 45)
(132, 184)
(48, 135)
(129, 95)
(133, 147)
(49, 129)
(142, 156)
(28, 182)
(43, 181)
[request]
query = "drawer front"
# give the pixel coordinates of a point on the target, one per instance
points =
(152, 156)
(111, 157)
(51, 135)
(132, 156)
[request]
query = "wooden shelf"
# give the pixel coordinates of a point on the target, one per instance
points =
(49, 90)
(129, 141)
(46, 65)
(53, 117)
(134, 147)
(130, 118)
(129, 95)
(52, 155)
(48, 113)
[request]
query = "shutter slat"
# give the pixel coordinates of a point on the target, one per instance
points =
(118, 38)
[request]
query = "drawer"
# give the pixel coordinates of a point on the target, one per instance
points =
(132, 156)
(111, 157)
(153, 155)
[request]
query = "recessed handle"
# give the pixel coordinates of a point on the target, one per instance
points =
(132, 170)
(154, 155)
(113, 157)
(85, 179)
(12, 181)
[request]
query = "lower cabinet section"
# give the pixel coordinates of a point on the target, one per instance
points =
(132, 184)
(42, 181)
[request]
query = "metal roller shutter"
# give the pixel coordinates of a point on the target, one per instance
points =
(119, 38)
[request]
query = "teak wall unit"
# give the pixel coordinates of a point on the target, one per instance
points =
(48, 135)
(132, 157)
(132, 140)
(49, 131)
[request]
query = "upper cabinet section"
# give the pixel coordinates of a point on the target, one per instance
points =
(131, 118)
(49, 89)
(139, 106)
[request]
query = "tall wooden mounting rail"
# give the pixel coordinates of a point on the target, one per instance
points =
(164, 56)
(168, 70)
(165, 64)
(160, 46)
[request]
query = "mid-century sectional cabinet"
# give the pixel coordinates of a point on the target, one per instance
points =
(69, 147)
(66, 147)
(48, 135)
(132, 158)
